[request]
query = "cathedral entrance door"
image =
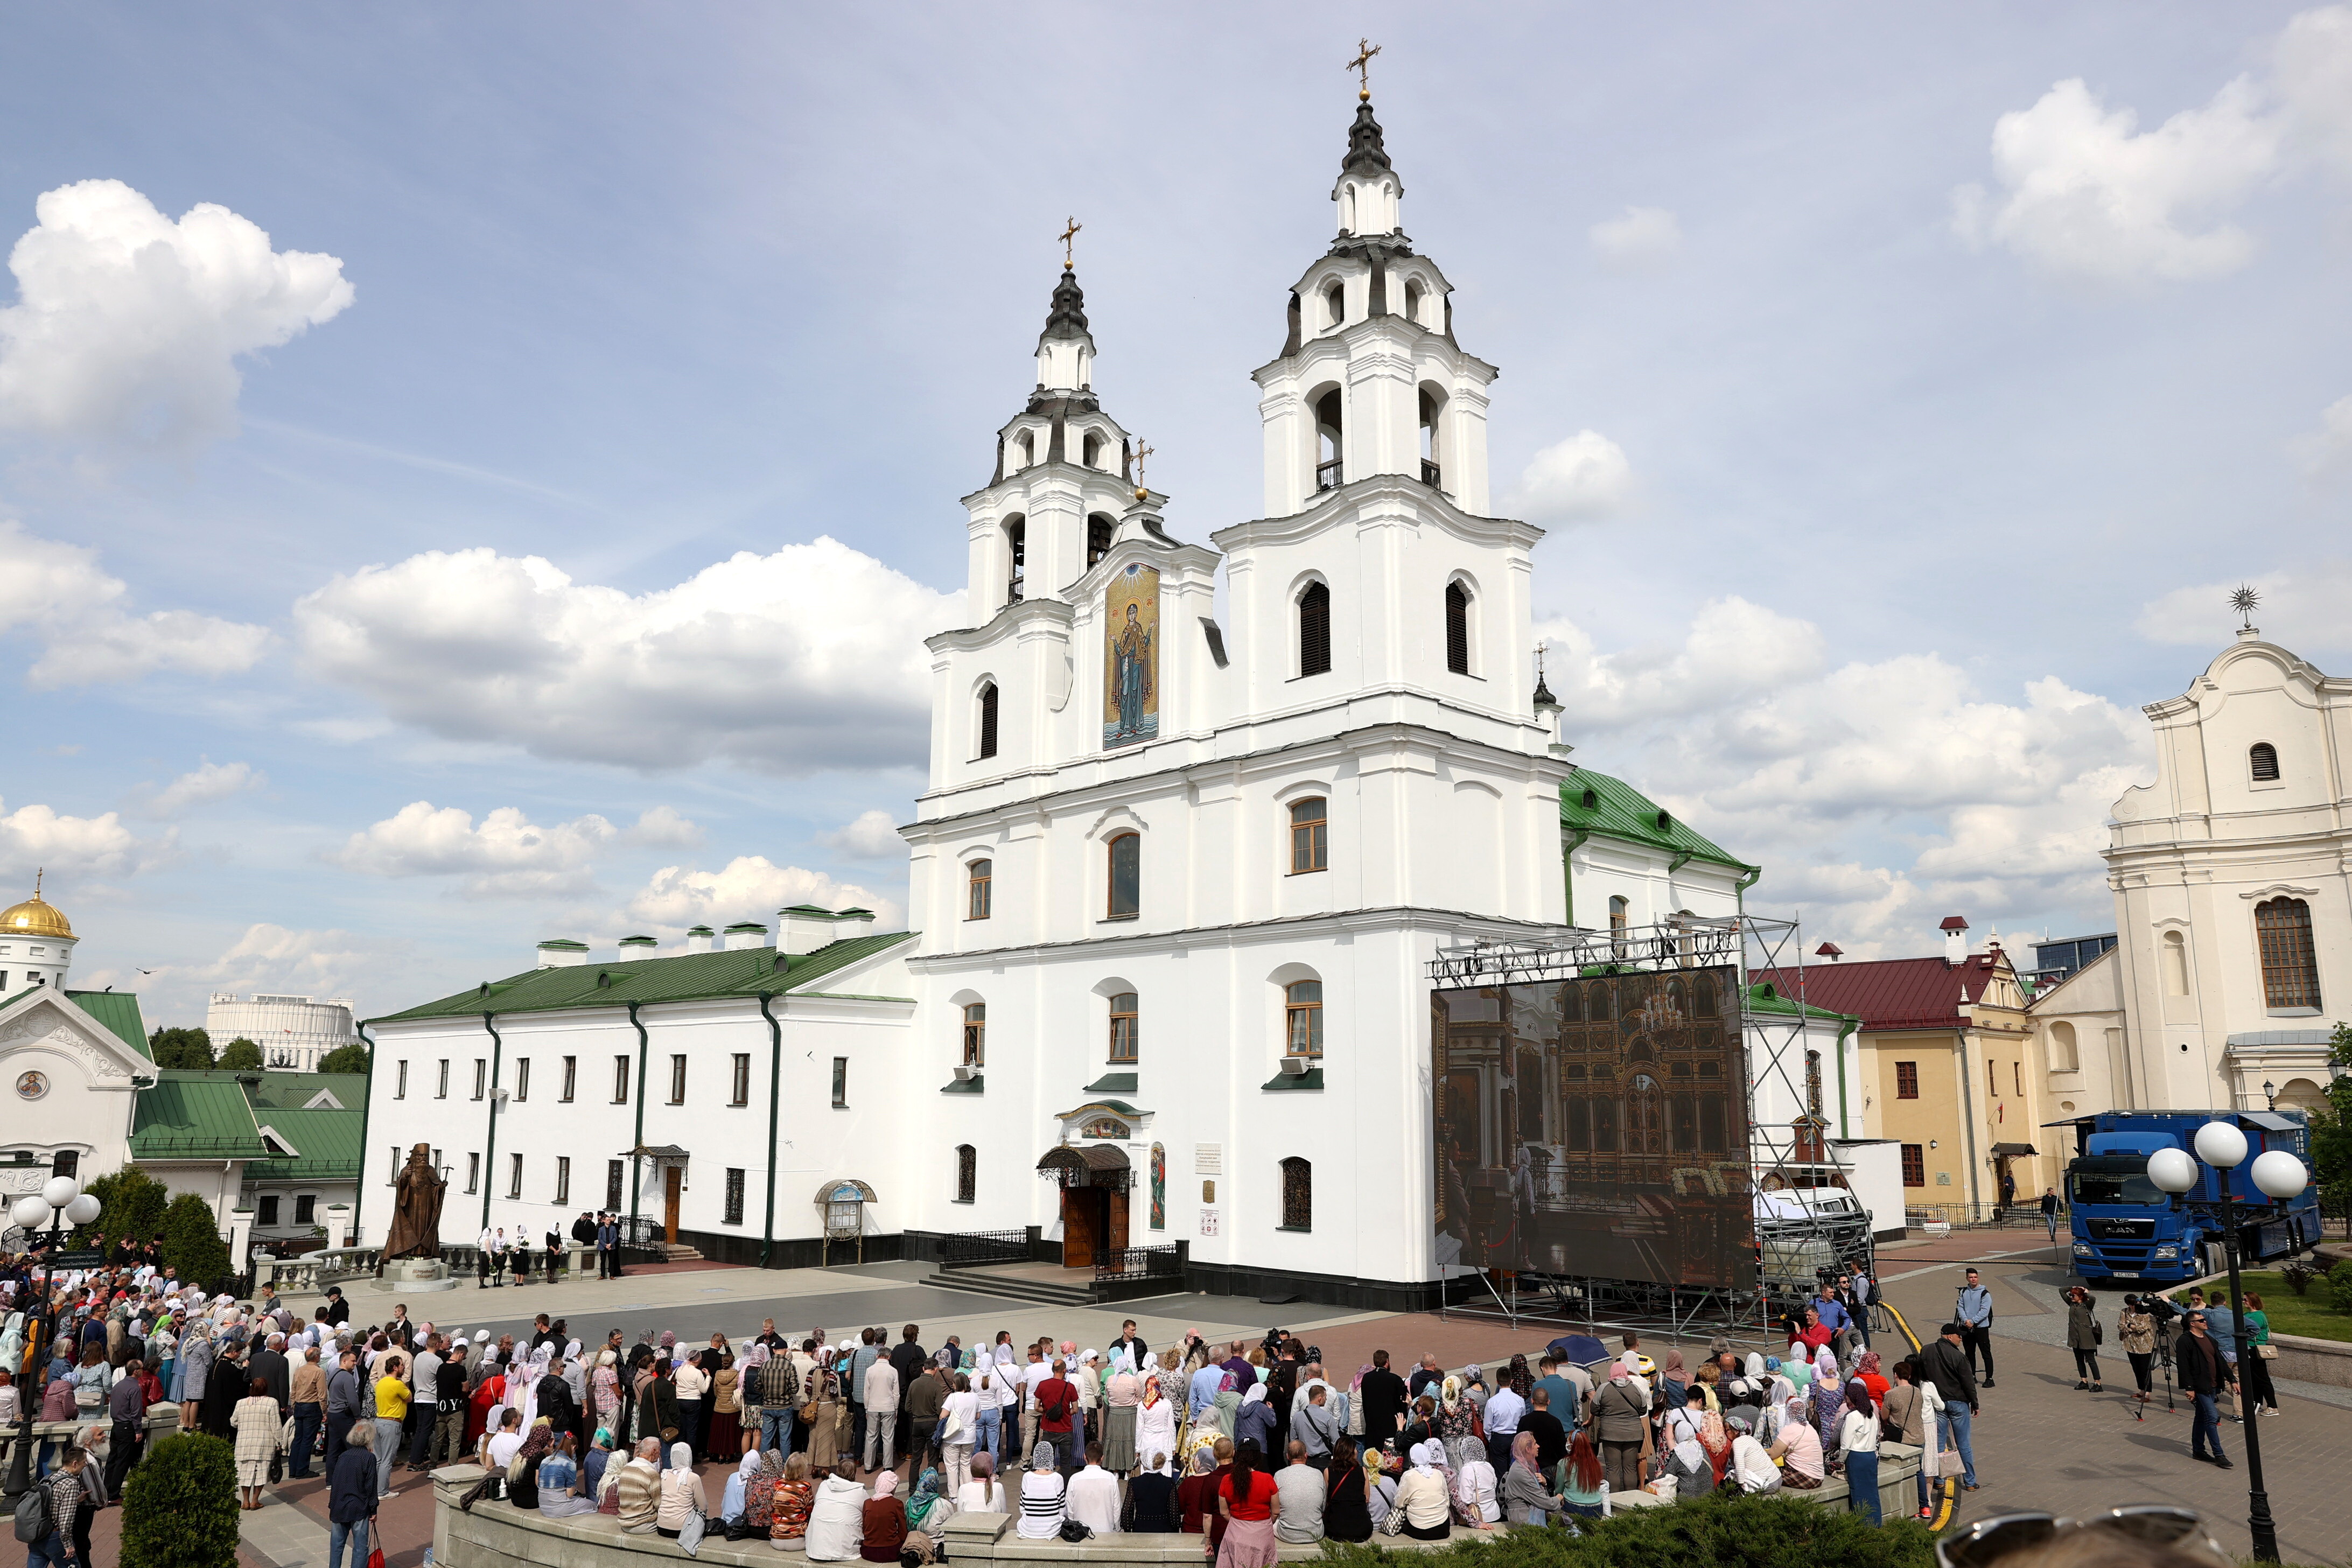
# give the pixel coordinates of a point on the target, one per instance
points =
(1086, 1225)
(672, 1180)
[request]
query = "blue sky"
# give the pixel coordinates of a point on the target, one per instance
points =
(1903, 388)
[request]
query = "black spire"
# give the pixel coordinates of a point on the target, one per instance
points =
(1067, 317)
(1366, 156)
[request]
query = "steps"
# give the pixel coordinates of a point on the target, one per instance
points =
(678, 1252)
(981, 1282)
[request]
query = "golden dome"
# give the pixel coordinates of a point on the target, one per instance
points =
(35, 917)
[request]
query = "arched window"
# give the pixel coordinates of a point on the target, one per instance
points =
(1335, 303)
(1123, 1023)
(2064, 1054)
(1099, 532)
(2290, 962)
(975, 1033)
(1458, 628)
(2262, 761)
(988, 717)
(1618, 915)
(1431, 458)
(1315, 630)
(1302, 1018)
(2175, 964)
(980, 890)
(1126, 876)
(1016, 558)
(967, 1173)
(1298, 1195)
(1310, 845)
(1412, 304)
(1702, 996)
(1330, 473)
(1024, 445)
(1090, 453)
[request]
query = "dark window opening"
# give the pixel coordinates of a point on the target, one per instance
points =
(734, 1214)
(2290, 961)
(1298, 1195)
(1331, 471)
(1315, 630)
(1126, 876)
(1458, 628)
(987, 719)
(1099, 532)
(1016, 549)
(967, 1173)
(2264, 760)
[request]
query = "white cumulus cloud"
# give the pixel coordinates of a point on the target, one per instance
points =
(661, 828)
(129, 326)
(1582, 479)
(1643, 240)
(747, 888)
(873, 836)
(507, 854)
(211, 781)
(808, 659)
(37, 837)
(59, 594)
(276, 960)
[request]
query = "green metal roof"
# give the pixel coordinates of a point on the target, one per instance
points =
(294, 1090)
(684, 977)
(119, 1011)
(1620, 811)
(326, 1144)
(191, 1115)
(1766, 998)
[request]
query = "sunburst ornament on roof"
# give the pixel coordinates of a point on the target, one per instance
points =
(2243, 601)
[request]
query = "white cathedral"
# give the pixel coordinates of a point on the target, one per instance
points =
(1175, 882)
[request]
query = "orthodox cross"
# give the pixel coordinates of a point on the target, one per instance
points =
(1362, 66)
(1069, 232)
(1142, 450)
(2243, 601)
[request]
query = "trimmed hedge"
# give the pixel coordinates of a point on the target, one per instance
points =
(179, 1505)
(1778, 1531)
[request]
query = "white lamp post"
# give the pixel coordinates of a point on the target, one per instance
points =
(2279, 1175)
(60, 1206)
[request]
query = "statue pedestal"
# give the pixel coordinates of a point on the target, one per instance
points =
(414, 1276)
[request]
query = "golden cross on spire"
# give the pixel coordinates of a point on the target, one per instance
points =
(1142, 450)
(1069, 232)
(1362, 66)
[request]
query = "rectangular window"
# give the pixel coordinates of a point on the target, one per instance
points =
(1906, 1080)
(472, 1173)
(306, 1209)
(268, 1216)
(620, 1081)
(1123, 1022)
(441, 1086)
(741, 1094)
(1915, 1165)
(514, 1175)
(1303, 1018)
(1126, 876)
(1992, 1078)
(2016, 1071)
(612, 1184)
(1310, 845)
(975, 1033)
(563, 1179)
(1713, 1136)
(571, 1076)
(734, 1215)
(840, 1083)
(981, 884)
(522, 1077)
(391, 1168)
(399, 1077)
(677, 1081)
(481, 1077)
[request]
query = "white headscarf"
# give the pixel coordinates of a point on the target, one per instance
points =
(1426, 1456)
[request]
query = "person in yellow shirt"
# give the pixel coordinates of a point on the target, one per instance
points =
(392, 1397)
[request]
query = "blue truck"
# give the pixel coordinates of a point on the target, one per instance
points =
(2127, 1229)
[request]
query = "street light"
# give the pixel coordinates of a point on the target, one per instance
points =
(61, 1205)
(2279, 1175)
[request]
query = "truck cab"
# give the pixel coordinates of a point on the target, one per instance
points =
(2127, 1228)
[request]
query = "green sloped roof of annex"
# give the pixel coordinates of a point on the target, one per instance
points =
(193, 1115)
(326, 1145)
(1620, 811)
(1763, 997)
(295, 1090)
(744, 972)
(117, 1011)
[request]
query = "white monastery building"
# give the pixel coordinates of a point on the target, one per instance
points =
(1176, 880)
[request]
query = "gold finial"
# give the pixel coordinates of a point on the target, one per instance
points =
(36, 881)
(1362, 66)
(2243, 601)
(1069, 232)
(1142, 450)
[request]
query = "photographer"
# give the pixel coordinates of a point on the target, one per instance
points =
(2136, 1330)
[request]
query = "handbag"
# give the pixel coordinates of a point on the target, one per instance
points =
(2098, 1333)
(2266, 1351)
(375, 1558)
(689, 1534)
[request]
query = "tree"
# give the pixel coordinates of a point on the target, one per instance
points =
(2331, 1131)
(190, 1241)
(130, 1203)
(179, 1505)
(181, 1047)
(240, 1055)
(346, 1058)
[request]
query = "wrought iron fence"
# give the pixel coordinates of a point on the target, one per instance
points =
(1983, 1217)
(973, 1249)
(1139, 1263)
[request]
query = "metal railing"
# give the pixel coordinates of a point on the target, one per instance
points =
(1330, 476)
(2025, 1215)
(1140, 1263)
(976, 1249)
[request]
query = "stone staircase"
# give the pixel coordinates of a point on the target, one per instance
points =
(678, 1252)
(989, 1282)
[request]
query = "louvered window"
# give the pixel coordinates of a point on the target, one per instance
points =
(1458, 628)
(1315, 630)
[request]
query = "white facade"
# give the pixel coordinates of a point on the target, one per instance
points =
(70, 1087)
(2078, 1024)
(293, 1032)
(2233, 876)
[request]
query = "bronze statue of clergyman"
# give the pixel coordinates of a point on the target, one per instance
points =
(416, 1210)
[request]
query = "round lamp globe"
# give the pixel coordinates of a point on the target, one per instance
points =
(2221, 1145)
(2172, 1170)
(31, 1211)
(61, 1191)
(2279, 1173)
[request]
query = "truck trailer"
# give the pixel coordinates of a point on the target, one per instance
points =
(2127, 1229)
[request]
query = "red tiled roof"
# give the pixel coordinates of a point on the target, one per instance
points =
(1890, 993)
(1953, 922)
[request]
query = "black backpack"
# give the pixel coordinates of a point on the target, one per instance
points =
(33, 1514)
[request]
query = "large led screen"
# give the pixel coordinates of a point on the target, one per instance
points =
(1594, 1127)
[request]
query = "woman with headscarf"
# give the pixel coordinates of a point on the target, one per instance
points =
(1454, 1417)
(1227, 1406)
(257, 1425)
(1871, 1371)
(1621, 1420)
(522, 1470)
(605, 1393)
(1354, 1424)
(1042, 1496)
(1123, 1391)
(726, 1439)
(981, 1493)
(681, 1493)
(732, 1500)
(1477, 1491)
(1525, 1500)
(796, 1500)
(692, 1383)
(882, 1521)
(927, 1507)
(1254, 1422)
(1422, 1494)
(660, 1413)
(1829, 1409)
(824, 1392)
(195, 1371)
(1857, 1443)
(1797, 1448)
(223, 1388)
(1155, 1426)
(1674, 1381)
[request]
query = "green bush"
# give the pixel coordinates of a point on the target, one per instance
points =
(1782, 1532)
(240, 1055)
(190, 1241)
(179, 1048)
(179, 1505)
(130, 1203)
(346, 1058)
(2339, 1287)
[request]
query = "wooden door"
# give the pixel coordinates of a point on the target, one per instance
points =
(1115, 1232)
(1083, 1216)
(673, 1180)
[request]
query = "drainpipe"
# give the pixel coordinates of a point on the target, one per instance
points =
(1568, 869)
(1969, 1114)
(1845, 1030)
(358, 1193)
(637, 1166)
(775, 1075)
(490, 1153)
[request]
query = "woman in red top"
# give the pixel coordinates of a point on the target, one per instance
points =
(886, 1521)
(1873, 1378)
(1245, 1501)
(1196, 1494)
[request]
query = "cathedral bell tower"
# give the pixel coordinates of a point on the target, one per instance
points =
(1369, 380)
